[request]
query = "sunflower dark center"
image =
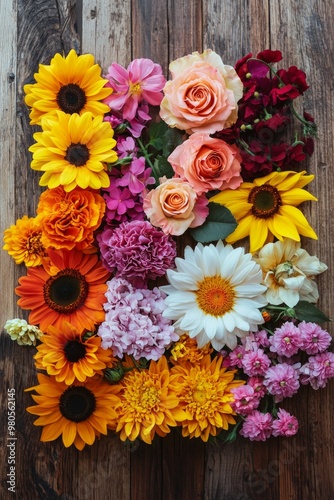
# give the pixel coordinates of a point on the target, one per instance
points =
(266, 201)
(74, 350)
(77, 403)
(77, 154)
(71, 98)
(66, 292)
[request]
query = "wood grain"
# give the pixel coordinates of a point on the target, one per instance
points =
(32, 31)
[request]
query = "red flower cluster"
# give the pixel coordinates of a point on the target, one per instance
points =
(264, 115)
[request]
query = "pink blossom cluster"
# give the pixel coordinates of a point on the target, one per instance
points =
(134, 324)
(275, 366)
(137, 251)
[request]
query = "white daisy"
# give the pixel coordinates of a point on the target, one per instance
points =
(214, 294)
(289, 272)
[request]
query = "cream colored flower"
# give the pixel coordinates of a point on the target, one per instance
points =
(288, 272)
(22, 332)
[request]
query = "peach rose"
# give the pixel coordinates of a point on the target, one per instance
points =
(202, 95)
(207, 163)
(174, 206)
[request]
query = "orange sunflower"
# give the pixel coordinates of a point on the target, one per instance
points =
(23, 241)
(147, 405)
(72, 84)
(79, 412)
(204, 392)
(70, 219)
(68, 355)
(72, 290)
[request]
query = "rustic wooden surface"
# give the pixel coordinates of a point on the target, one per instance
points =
(173, 468)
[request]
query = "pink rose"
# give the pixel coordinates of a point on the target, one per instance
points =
(174, 206)
(207, 163)
(202, 95)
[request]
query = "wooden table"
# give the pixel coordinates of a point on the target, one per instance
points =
(32, 31)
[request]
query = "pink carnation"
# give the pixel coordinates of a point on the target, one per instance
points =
(282, 381)
(255, 362)
(285, 424)
(318, 370)
(314, 338)
(257, 426)
(141, 81)
(134, 324)
(286, 340)
(245, 399)
(137, 251)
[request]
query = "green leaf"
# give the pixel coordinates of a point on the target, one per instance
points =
(305, 311)
(157, 129)
(163, 167)
(172, 139)
(218, 225)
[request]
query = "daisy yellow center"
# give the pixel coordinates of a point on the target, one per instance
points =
(77, 403)
(77, 154)
(66, 292)
(266, 201)
(215, 295)
(34, 244)
(71, 98)
(135, 88)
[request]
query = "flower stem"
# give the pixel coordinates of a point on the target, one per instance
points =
(143, 150)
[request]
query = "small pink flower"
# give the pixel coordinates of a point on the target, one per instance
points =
(255, 362)
(261, 338)
(245, 399)
(282, 381)
(141, 81)
(315, 339)
(286, 340)
(235, 357)
(318, 370)
(174, 206)
(207, 163)
(285, 424)
(258, 386)
(257, 426)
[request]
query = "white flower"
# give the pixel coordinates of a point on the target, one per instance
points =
(214, 294)
(22, 332)
(288, 272)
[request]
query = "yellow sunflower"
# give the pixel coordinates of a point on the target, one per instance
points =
(266, 208)
(79, 412)
(73, 150)
(72, 84)
(64, 353)
(147, 405)
(23, 241)
(204, 392)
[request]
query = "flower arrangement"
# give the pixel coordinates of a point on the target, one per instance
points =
(131, 334)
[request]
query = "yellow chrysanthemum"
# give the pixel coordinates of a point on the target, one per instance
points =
(204, 392)
(23, 242)
(72, 84)
(73, 150)
(65, 354)
(147, 405)
(266, 208)
(186, 349)
(79, 412)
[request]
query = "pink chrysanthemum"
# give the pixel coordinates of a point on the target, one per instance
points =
(137, 251)
(285, 424)
(318, 370)
(314, 338)
(235, 357)
(141, 81)
(286, 340)
(282, 381)
(258, 386)
(134, 324)
(257, 426)
(245, 399)
(255, 362)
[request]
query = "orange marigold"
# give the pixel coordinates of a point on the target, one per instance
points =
(70, 218)
(204, 392)
(186, 349)
(23, 242)
(147, 405)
